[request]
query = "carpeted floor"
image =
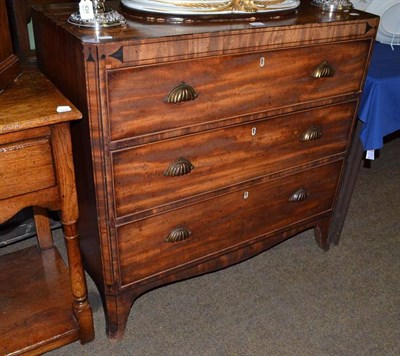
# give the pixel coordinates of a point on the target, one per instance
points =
(293, 299)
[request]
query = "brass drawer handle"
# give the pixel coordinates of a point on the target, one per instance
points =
(312, 134)
(300, 195)
(324, 70)
(180, 94)
(178, 168)
(180, 233)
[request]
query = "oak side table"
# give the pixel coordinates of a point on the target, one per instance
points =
(43, 302)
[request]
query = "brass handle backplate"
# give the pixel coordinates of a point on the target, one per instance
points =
(324, 70)
(180, 233)
(178, 168)
(300, 195)
(180, 94)
(312, 134)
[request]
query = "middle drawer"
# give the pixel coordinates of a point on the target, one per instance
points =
(168, 171)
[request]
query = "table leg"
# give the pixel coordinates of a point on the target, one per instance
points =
(62, 149)
(43, 229)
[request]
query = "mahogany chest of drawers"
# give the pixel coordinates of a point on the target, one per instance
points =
(204, 144)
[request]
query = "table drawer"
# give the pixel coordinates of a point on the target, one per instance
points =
(20, 162)
(228, 86)
(216, 159)
(214, 225)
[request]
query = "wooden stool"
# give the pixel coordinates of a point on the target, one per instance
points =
(38, 312)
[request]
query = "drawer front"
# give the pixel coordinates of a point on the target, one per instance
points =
(224, 157)
(26, 167)
(223, 222)
(228, 86)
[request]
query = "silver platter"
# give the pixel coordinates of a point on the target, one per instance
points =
(210, 7)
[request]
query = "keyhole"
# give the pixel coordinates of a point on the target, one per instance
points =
(253, 131)
(262, 62)
(245, 195)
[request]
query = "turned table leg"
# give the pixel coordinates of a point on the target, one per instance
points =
(62, 149)
(81, 305)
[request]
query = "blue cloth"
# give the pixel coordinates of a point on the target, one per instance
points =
(380, 102)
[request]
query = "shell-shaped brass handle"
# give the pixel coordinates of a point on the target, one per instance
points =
(300, 195)
(178, 168)
(324, 70)
(312, 134)
(180, 94)
(180, 233)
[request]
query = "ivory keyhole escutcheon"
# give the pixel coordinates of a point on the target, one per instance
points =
(253, 131)
(262, 62)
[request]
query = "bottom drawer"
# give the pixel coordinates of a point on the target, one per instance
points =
(214, 225)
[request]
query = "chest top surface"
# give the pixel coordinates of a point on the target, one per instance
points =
(139, 29)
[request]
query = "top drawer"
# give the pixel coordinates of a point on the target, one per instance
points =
(229, 86)
(22, 161)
